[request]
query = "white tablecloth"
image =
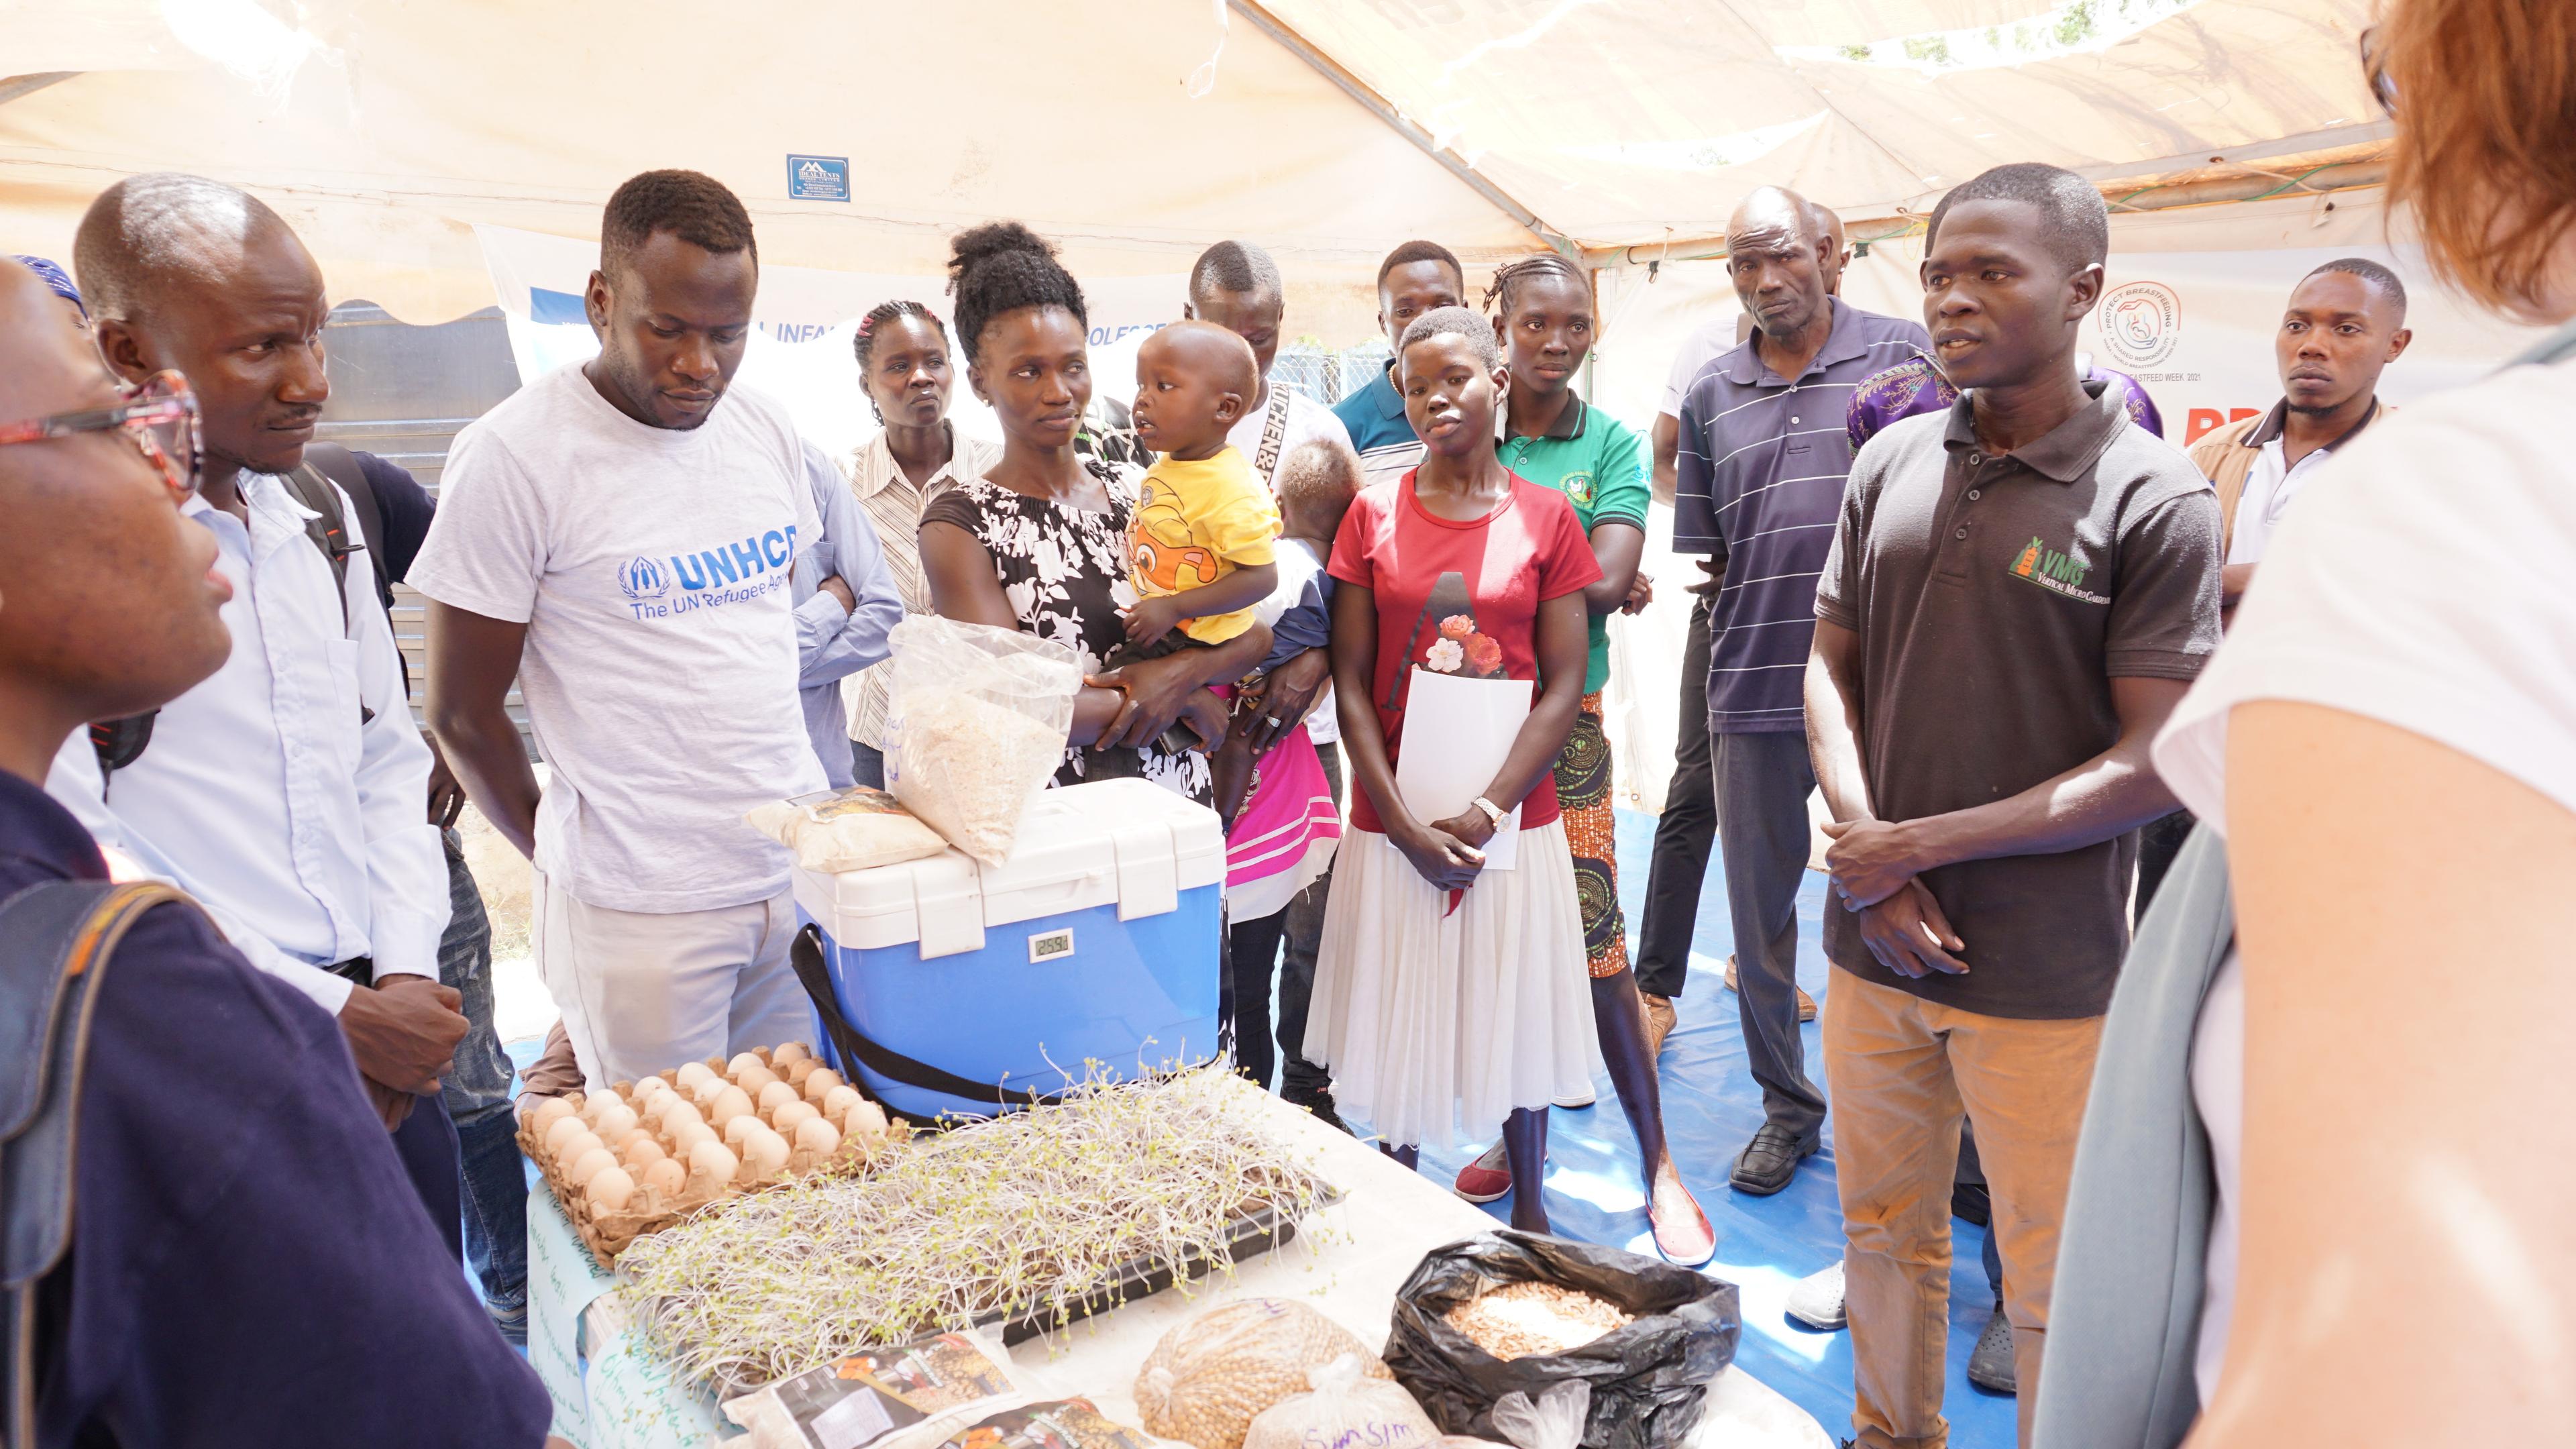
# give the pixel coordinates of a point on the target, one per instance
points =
(612, 1392)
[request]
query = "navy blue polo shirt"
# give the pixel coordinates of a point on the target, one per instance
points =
(1759, 483)
(249, 1265)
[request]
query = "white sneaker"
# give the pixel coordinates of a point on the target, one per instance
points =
(1817, 1301)
(1575, 1101)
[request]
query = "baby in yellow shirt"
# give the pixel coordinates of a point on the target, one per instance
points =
(1201, 547)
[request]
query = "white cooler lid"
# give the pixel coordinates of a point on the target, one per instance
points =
(1131, 843)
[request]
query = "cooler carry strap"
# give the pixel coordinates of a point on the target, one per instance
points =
(806, 955)
(55, 942)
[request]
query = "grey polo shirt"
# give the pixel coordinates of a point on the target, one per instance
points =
(1758, 480)
(1996, 598)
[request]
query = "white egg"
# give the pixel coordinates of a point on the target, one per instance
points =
(838, 1100)
(793, 1051)
(694, 1073)
(730, 1103)
(548, 1113)
(819, 1081)
(743, 1062)
(776, 1095)
(786, 1118)
(614, 1121)
(665, 1177)
(764, 1152)
(712, 1162)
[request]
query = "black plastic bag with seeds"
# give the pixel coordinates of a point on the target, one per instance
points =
(1649, 1379)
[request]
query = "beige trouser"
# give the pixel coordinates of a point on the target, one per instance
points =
(1900, 1070)
(640, 992)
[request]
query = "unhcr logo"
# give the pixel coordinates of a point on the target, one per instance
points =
(644, 578)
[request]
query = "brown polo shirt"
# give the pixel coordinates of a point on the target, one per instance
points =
(1996, 598)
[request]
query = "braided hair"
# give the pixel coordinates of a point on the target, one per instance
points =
(865, 343)
(1509, 277)
(1001, 267)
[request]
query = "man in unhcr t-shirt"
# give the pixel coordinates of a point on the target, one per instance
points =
(619, 536)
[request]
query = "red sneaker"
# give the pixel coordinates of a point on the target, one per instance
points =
(1487, 1178)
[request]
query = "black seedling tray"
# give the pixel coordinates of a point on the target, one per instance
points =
(1247, 1236)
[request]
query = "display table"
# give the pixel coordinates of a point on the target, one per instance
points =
(611, 1391)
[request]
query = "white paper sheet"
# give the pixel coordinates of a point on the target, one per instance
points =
(1457, 733)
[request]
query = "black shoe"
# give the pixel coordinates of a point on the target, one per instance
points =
(1768, 1161)
(1972, 1202)
(1321, 1105)
(1991, 1366)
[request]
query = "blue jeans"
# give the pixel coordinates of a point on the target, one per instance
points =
(477, 1097)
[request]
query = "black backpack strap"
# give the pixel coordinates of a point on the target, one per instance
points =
(341, 466)
(119, 742)
(805, 954)
(328, 528)
(55, 943)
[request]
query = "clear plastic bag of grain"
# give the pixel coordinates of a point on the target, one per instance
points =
(976, 725)
(1344, 1407)
(1555, 1421)
(1208, 1379)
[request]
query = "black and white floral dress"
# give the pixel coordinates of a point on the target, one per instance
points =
(1064, 570)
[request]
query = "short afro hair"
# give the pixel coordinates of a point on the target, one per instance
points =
(148, 231)
(2373, 275)
(1321, 475)
(1237, 269)
(1454, 322)
(1001, 267)
(2074, 222)
(696, 208)
(1422, 251)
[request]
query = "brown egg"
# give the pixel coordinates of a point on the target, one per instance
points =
(548, 1113)
(642, 1152)
(711, 1163)
(730, 1103)
(764, 1153)
(776, 1095)
(792, 1052)
(819, 1081)
(755, 1079)
(694, 1073)
(837, 1101)
(818, 1137)
(792, 1113)
(665, 1177)
(589, 1165)
(743, 1062)
(610, 1190)
(614, 1121)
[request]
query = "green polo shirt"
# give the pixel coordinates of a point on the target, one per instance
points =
(1592, 459)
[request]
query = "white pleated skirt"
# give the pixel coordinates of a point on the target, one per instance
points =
(1434, 1024)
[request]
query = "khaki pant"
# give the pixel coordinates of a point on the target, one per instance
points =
(1901, 1069)
(641, 992)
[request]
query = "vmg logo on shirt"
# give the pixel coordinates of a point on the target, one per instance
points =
(2054, 571)
(727, 574)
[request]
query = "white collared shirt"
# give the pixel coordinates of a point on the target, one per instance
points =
(263, 793)
(2269, 490)
(893, 503)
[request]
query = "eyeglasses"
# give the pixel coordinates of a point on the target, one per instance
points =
(159, 416)
(2374, 69)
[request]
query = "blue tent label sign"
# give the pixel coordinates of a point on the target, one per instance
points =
(818, 178)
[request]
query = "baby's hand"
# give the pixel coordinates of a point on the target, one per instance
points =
(1151, 619)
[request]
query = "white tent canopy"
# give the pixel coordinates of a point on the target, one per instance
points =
(1137, 132)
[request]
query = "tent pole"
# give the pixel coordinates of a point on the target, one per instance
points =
(14, 86)
(1378, 105)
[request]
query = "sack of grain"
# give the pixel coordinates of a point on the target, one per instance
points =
(1208, 1379)
(834, 832)
(976, 725)
(1344, 1410)
(1555, 1421)
(1648, 1377)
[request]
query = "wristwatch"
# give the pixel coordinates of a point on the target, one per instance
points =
(1493, 812)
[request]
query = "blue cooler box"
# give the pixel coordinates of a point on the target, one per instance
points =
(1096, 942)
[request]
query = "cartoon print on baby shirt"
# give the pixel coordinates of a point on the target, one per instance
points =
(1159, 543)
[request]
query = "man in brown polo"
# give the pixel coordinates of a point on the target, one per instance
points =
(2018, 593)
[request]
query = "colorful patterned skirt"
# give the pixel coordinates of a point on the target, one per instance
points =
(1591, 830)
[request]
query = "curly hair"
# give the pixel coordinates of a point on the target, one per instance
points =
(696, 208)
(1001, 267)
(1455, 322)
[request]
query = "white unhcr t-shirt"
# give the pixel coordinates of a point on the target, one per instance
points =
(651, 568)
(2448, 619)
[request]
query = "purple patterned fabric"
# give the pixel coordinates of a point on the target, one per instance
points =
(54, 277)
(1912, 387)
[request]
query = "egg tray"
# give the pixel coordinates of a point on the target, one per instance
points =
(609, 1234)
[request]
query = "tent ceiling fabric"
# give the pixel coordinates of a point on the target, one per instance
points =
(1613, 120)
(386, 128)
(408, 122)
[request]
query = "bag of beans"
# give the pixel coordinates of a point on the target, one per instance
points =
(1345, 1409)
(1207, 1379)
(834, 832)
(1647, 1376)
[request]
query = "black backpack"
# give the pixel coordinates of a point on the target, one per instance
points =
(56, 940)
(119, 742)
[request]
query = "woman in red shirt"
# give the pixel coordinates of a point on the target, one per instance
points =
(1443, 991)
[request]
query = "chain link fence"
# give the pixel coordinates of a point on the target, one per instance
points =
(1327, 376)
